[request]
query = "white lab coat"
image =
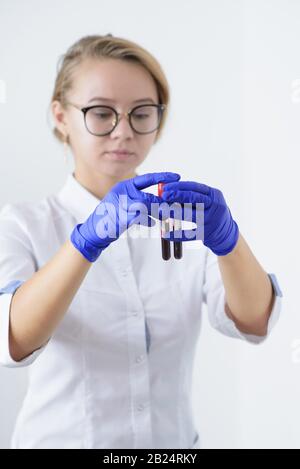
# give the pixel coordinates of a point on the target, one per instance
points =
(117, 372)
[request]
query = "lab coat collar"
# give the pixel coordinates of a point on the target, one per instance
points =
(77, 199)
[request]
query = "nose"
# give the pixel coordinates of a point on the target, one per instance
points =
(123, 127)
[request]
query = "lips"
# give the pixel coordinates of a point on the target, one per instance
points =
(120, 155)
(121, 152)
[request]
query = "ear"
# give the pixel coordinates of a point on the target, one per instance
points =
(60, 118)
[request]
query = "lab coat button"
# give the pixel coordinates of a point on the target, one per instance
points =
(141, 407)
(140, 358)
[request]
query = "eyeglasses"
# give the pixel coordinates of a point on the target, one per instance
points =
(102, 120)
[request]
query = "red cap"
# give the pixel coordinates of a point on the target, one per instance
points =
(160, 188)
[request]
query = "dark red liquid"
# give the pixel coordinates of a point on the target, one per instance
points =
(165, 243)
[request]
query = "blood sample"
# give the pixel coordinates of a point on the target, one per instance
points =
(177, 244)
(168, 225)
(165, 243)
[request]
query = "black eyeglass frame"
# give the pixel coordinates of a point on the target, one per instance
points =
(84, 110)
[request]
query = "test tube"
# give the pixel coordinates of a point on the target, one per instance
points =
(177, 244)
(165, 227)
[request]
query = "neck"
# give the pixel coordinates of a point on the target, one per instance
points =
(99, 184)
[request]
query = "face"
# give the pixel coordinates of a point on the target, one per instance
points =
(122, 84)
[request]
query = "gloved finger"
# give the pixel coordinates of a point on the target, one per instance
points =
(149, 179)
(184, 212)
(149, 222)
(153, 205)
(166, 210)
(187, 186)
(184, 235)
(185, 197)
(143, 209)
(149, 199)
(143, 220)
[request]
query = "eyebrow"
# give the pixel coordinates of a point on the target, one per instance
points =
(99, 98)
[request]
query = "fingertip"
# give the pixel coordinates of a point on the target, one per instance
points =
(173, 176)
(151, 221)
(166, 195)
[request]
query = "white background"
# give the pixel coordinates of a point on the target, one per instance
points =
(233, 67)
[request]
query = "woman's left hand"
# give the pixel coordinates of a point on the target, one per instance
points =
(220, 231)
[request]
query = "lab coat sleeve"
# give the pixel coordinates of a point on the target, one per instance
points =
(214, 297)
(17, 265)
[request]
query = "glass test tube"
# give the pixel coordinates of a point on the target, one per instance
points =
(165, 227)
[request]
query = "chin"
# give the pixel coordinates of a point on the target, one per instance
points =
(120, 167)
(118, 171)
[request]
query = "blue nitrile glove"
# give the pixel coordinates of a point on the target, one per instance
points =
(220, 230)
(123, 206)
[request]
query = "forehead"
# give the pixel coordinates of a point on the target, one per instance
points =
(120, 81)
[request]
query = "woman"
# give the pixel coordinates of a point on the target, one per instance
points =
(108, 328)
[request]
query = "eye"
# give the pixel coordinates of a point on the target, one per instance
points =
(101, 113)
(141, 116)
(143, 113)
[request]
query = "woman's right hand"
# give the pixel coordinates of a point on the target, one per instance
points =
(124, 205)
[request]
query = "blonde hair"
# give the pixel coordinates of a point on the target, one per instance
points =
(108, 46)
